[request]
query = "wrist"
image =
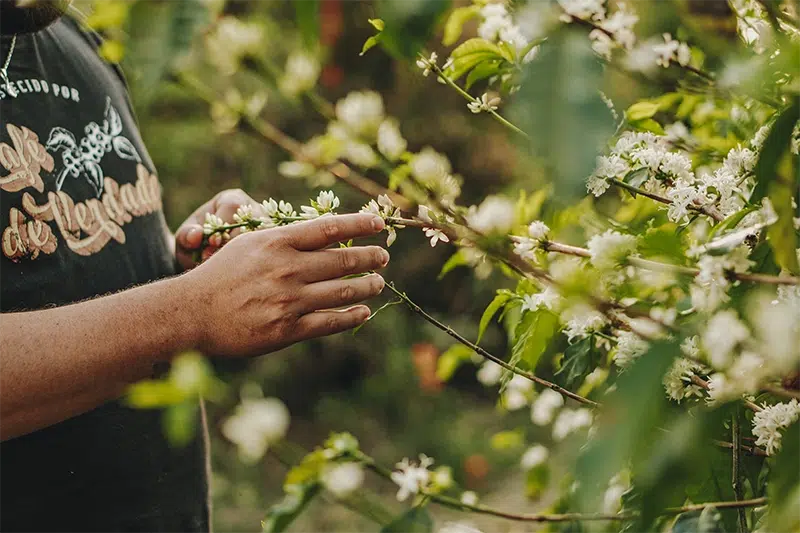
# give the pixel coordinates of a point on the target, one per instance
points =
(186, 308)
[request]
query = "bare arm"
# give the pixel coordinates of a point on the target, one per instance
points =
(263, 291)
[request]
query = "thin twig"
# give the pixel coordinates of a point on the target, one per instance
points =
(567, 249)
(736, 436)
(778, 391)
(750, 450)
(483, 353)
(453, 503)
(706, 210)
(700, 382)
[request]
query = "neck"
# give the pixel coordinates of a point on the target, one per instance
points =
(35, 16)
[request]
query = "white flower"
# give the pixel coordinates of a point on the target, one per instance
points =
(612, 498)
(255, 424)
(723, 333)
(596, 185)
(300, 74)
(442, 477)
(629, 348)
(534, 456)
(429, 166)
(410, 477)
(458, 527)
(327, 201)
(296, 169)
(545, 406)
(517, 392)
(495, 215)
(569, 421)
(581, 320)
(678, 380)
(611, 249)
(484, 103)
(490, 373)
(549, 298)
(212, 223)
(682, 196)
(343, 479)
(768, 423)
(538, 230)
(427, 64)
(469, 497)
(390, 141)
(361, 112)
(232, 40)
(436, 235)
(672, 50)
(584, 9)
(361, 154)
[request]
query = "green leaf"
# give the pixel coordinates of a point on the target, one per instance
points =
(641, 110)
(180, 423)
(159, 33)
(409, 24)
(775, 146)
(484, 70)
(532, 336)
(307, 18)
(536, 481)
(647, 124)
(579, 360)
(706, 521)
(560, 108)
(732, 221)
(451, 359)
(282, 514)
(473, 52)
(369, 43)
(663, 241)
(494, 306)
(781, 235)
(456, 260)
(152, 393)
(415, 520)
(378, 24)
(455, 23)
(784, 486)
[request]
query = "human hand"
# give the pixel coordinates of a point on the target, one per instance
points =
(189, 249)
(270, 288)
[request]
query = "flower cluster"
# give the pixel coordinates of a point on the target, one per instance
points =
(412, 477)
(256, 423)
(771, 420)
(497, 25)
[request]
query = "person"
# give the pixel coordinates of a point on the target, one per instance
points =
(96, 294)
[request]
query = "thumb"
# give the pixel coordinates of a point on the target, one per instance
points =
(190, 237)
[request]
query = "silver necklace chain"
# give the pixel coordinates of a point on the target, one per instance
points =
(4, 70)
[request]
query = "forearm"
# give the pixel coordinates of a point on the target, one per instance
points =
(56, 363)
(54, 410)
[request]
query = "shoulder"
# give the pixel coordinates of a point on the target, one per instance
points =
(75, 22)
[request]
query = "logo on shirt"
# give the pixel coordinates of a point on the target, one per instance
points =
(82, 159)
(86, 226)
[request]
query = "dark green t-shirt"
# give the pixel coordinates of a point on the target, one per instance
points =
(80, 216)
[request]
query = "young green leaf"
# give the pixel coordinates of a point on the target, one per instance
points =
(455, 23)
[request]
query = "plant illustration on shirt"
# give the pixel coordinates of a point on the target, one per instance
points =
(82, 159)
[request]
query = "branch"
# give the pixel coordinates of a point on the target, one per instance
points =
(483, 353)
(647, 264)
(453, 503)
(735, 476)
(700, 382)
(705, 210)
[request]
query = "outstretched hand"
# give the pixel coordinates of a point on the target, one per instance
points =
(270, 288)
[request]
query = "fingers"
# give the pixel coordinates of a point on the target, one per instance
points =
(189, 236)
(339, 262)
(339, 293)
(323, 323)
(226, 203)
(324, 231)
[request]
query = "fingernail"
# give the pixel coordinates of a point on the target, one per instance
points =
(384, 257)
(364, 313)
(378, 224)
